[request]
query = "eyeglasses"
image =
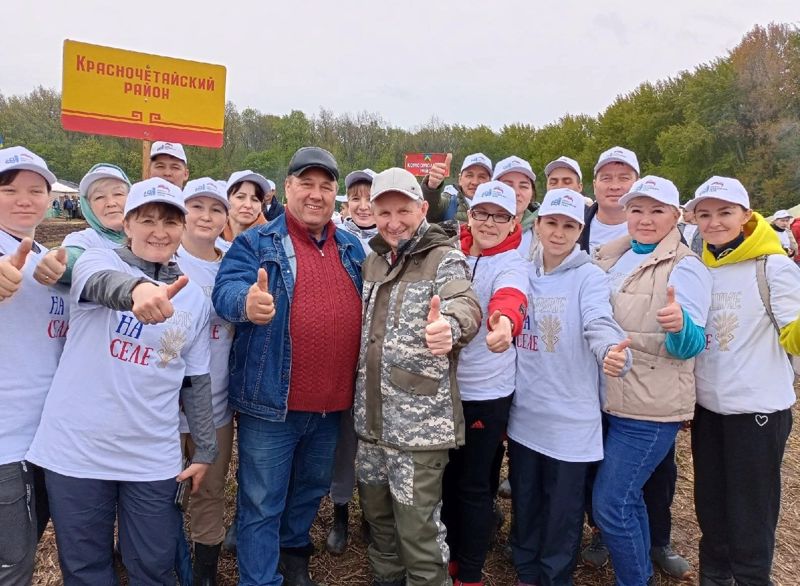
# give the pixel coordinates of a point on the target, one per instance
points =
(483, 216)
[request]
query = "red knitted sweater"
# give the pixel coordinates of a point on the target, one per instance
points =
(325, 325)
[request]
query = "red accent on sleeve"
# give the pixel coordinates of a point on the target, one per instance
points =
(513, 304)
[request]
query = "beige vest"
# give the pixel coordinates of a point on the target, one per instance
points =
(658, 387)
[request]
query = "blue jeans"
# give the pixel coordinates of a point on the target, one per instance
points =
(633, 449)
(285, 469)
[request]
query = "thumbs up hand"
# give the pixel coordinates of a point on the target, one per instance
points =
(52, 267)
(11, 269)
(439, 171)
(615, 359)
(500, 329)
(260, 306)
(438, 333)
(670, 317)
(151, 302)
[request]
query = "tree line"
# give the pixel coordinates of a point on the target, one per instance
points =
(738, 115)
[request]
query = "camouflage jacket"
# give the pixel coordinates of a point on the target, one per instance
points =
(406, 397)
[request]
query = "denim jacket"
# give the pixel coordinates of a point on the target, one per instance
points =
(261, 356)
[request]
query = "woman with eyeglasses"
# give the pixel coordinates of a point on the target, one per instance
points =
(485, 375)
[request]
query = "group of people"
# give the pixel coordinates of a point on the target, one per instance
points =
(395, 352)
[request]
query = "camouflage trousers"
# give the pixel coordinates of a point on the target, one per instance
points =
(401, 498)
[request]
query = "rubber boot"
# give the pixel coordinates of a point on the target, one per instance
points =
(204, 570)
(294, 567)
(337, 538)
(229, 543)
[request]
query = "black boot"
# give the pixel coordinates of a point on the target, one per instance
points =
(204, 569)
(337, 538)
(294, 566)
(229, 543)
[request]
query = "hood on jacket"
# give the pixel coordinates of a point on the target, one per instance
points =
(165, 273)
(356, 230)
(574, 259)
(427, 236)
(511, 242)
(528, 218)
(759, 239)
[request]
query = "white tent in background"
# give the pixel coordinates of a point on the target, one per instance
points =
(60, 189)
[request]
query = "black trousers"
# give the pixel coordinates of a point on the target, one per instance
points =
(469, 485)
(548, 515)
(659, 491)
(737, 492)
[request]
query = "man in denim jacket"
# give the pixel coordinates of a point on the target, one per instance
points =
(292, 289)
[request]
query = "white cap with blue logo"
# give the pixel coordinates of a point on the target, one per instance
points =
(154, 190)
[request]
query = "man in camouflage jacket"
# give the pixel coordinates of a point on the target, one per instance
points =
(419, 310)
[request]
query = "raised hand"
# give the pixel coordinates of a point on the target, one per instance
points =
(51, 268)
(438, 333)
(152, 303)
(260, 306)
(614, 361)
(11, 269)
(499, 337)
(670, 317)
(439, 171)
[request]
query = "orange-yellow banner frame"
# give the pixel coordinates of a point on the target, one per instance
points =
(136, 95)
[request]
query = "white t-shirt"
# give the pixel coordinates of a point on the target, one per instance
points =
(556, 408)
(202, 273)
(744, 369)
(33, 328)
(89, 238)
(690, 278)
(113, 408)
(482, 374)
(784, 238)
(689, 231)
(223, 244)
(600, 233)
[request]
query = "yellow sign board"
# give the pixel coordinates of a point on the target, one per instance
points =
(136, 95)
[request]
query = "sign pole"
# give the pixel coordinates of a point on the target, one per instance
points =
(146, 144)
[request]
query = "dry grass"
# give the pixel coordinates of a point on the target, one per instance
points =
(351, 568)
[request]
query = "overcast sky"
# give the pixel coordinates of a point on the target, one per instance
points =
(462, 61)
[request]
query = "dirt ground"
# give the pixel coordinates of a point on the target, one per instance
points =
(351, 568)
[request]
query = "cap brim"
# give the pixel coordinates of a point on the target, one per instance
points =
(355, 177)
(545, 213)
(341, 198)
(252, 178)
(334, 174)
(90, 178)
(560, 165)
(157, 199)
(212, 194)
(692, 203)
(605, 162)
(529, 174)
(408, 194)
(181, 159)
(623, 201)
(46, 173)
(489, 169)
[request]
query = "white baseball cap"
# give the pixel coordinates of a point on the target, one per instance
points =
(564, 201)
(102, 171)
(780, 214)
(205, 187)
(341, 198)
(511, 164)
(173, 149)
(657, 188)
(477, 159)
(565, 163)
(618, 154)
(724, 188)
(451, 190)
(20, 158)
(223, 185)
(271, 184)
(497, 193)
(356, 176)
(248, 175)
(154, 190)
(395, 179)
